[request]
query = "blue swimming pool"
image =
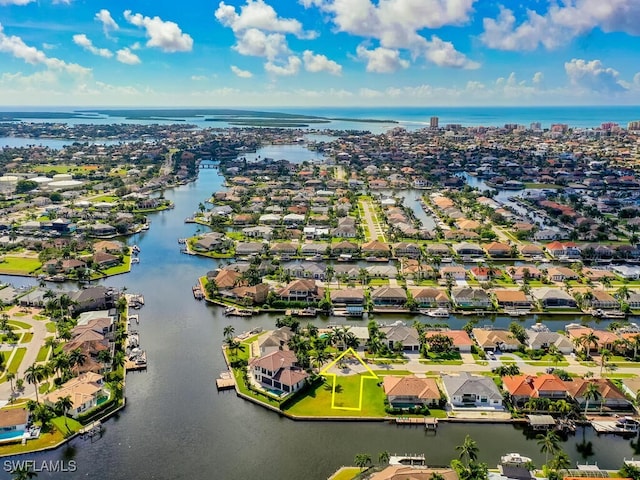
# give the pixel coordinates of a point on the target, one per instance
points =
(11, 435)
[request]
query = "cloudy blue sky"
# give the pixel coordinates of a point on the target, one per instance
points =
(319, 52)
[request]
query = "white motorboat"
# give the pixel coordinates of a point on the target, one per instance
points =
(514, 459)
(437, 313)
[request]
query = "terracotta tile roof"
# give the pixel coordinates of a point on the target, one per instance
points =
(410, 385)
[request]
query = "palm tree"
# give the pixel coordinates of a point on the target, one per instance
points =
(362, 460)
(77, 357)
(23, 473)
(622, 293)
(11, 376)
(468, 449)
(34, 374)
(119, 359)
(63, 405)
(549, 444)
(605, 356)
(561, 461)
(588, 340)
(228, 332)
(591, 393)
(383, 457)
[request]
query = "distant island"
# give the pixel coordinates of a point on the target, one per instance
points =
(243, 118)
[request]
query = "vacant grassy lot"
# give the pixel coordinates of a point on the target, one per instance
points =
(19, 265)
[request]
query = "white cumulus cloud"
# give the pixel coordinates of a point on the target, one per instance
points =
(320, 63)
(125, 55)
(290, 68)
(256, 43)
(560, 23)
(107, 21)
(258, 14)
(381, 60)
(165, 35)
(241, 73)
(397, 23)
(16, 47)
(15, 2)
(593, 76)
(83, 41)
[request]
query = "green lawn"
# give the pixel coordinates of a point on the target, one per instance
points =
(19, 265)
(27, 337)
(42, 354)
(40, 317)
(122, 268)
(46, 440)
(71, 425)
(18, 324)
(51, 327)
(346, 473)
(105, 198)
(17, 359)
(64, 168)
(318, 401)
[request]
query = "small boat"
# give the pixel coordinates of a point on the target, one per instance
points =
(437, 313)
(135, 260)
(229, 310)
(135, 249)
(514, 459)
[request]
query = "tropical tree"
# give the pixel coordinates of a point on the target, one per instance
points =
(34, 375)
(605, 356)
(468, 450)
(77, 357)
(549, 444)
(11, 376)
(119, 359)
(591, 393)
(383, 457)
(362, 460)
(22, 472)
(228, 332)
(63, 405)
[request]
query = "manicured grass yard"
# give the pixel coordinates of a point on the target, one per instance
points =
(19, 265)
(347, 473)
(71, 426)
(17, 324)
(42, 354)
(46, 440)
(124, 267)
(26, 338)
(317, 402)
(17, 358)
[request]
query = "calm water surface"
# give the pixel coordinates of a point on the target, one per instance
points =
(177, 426)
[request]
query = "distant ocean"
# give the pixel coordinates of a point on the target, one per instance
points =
(408, 117)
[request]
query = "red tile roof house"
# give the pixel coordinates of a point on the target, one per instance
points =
(611, 397)
(408, 391)
(461, 339)
(278, 370)
(523, 387)
(498, 249)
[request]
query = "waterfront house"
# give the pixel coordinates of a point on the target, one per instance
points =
(382, 271)
(498, 250)
(553, 298)
(468, 297)
(634, 300)
(347, 296)
(409, 391)
(512, 299)
(430, 298)
(259, 231)
(627, 272)
(438, 250)
(105, 260)
(283, 248)
(545, 339)
(604, 338)
(249, 248)
(610, 398)
(249, 295)
(521, 388)
(563, 250)
(484, 274)
(376, 248)
(401, 335)
(412, 268)
(226, 279)
(530, 250)
(491, 340)
(469, 249)
(407, 249)
(316, 248)
(93, 298)
(278, 370)
(603, 300)
(461, 341)
(455, 273)
(472, 391)
(13, 421)
(345, 248)
(415, 472)
(546, 234)
(85, 391)
(523, 272)
(389, 297)
(275, 340)
(560, 274)
(301, 290)
(108, 246)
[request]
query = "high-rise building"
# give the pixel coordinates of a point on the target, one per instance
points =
(535, 126)
(433, 123)
(635, 125)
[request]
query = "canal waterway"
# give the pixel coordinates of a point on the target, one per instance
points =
(177, 426)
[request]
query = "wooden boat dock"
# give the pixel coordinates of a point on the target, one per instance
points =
(197, 292)
(225, 381)
(430, 423)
